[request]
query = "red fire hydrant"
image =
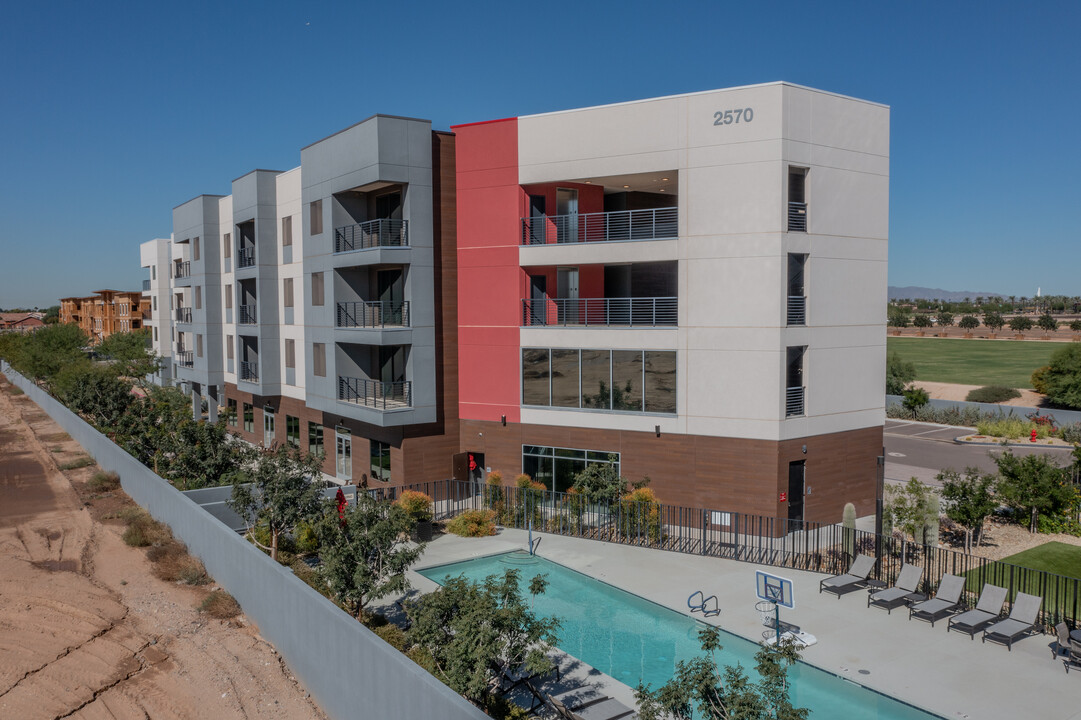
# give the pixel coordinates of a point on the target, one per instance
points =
(1033, 438)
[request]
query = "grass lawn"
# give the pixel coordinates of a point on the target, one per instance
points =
(974, 362)
(1053, 557)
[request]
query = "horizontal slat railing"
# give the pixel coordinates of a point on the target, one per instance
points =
(794, 402)
(245, 257)
(371, 234)
(797, 310)
(249, 371)
(378, 314)
(638, 312)
(797, 217)
(651, 224)
(246, 315)
(375, 394)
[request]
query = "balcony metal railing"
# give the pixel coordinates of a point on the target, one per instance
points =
(146, 314)
(185, 358)
(797, 217)
(378, 314)
(374, 233)
(249, 371)
(644, 312)
(183, 314)
(245, 315)
(375, 394)
(182, 269)
(245, 256)
(146, 285)
(793, 404)
(653, 224)
(797, 310)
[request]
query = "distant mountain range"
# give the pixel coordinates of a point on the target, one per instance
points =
(924, 293)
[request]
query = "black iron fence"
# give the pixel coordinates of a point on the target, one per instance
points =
(815, 547)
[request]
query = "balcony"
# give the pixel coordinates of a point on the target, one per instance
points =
(185, 358)
(249, 371)
(146, 286)
(586, 312)
(652, 224)
(797, 217)
(797, 310)
(793, 405)
(182, 269)
(245, 257)
(146, 314)
(374, 233)
(245, 315)
(183, 314)
(379, 314)
(375, 394)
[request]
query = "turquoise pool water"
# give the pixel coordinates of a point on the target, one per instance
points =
(632, 639)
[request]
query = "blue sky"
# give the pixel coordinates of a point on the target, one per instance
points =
(113, 113)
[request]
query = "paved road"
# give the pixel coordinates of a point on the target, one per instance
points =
(922, 450)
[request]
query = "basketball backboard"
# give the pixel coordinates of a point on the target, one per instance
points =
(774, 589)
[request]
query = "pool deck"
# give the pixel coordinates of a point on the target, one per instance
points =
(944, 673)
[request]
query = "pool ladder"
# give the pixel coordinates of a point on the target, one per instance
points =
(701, 604)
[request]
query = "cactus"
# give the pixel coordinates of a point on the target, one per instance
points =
(931, 520)
(848, 521)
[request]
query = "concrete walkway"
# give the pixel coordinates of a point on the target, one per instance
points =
(945, 673)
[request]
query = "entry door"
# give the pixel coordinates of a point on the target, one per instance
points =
(537, 220)
(567, 294)
(268, 429)
(538, 295)
(796, 473)
(567, 210)
(343, 454)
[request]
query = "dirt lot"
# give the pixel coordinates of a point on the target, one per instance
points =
(954, 391)
(86, 631)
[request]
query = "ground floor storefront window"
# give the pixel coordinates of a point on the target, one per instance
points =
(557, 467)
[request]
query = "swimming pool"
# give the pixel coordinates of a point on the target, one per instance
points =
(633, 639)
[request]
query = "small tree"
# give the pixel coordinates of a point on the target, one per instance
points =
(1075, 325)
(915, 398)
(969, 500)
(276, 490)
(129, 354)
(363, 557)
(1032, 485)
(908, 507)
(994, 321)
(921, 321)
(897, 318)
(1063, 376)
(945, 319)
(1047, 322)
(701, 689)
(601, 482)
(95, 393)
(201, 454)
(968, 323)
(480, 634)
(898, 374)
(1020, 323)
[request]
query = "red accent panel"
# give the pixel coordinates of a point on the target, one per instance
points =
(489, 299)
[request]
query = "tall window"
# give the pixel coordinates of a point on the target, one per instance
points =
(556, 467)
(155, 334)
(230, 411)
(317, 288)
(155, 302)
(195, 249)
(290, 353)
(287, 231)
(287, 292)
(153, 272)
(198, 297)
(228, 297)
(227, 244)
(319, 359)
(292, 430)
(316, 216)
(794, 389)
(198, 345)
(380, 452)
(249, 417)
(614, 380)
(228, 347)
(315, 439)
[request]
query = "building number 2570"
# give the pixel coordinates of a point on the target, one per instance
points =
(727, 117)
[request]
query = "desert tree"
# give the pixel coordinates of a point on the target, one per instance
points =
(274, 489)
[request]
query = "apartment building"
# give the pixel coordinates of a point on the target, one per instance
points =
(106, 312)
(156, 256)
(689, 287)
(317, 306)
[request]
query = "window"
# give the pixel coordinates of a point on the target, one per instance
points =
(227, 244)
(249, 417)
(617, 380)
(155, 334)
(287, 291)
(154, 301)
(317, 288)
(195, 249)
(343, 453)
(380, 452)
(229, 347)
(316, 216)
(292, 430)
(794, 390)
(153, 272)
(230, 411)
(228, 297)
(797, 199)
(556, 467)
(797, 303)
(287, 231)
(319, 359)
(198, 345)
(290, 353)
(315, 439)
(198, 297)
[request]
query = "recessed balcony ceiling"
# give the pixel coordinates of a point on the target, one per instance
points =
(638, 182)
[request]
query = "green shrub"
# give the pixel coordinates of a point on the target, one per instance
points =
(473, 523)
(1013, 428)
(1040, 379)
(1071, 433)
(915, 398)
(1063, 377)
(992, 394)
(102, 481)
(144, 530)
(392, 635)
(307, 539)
(79, 462)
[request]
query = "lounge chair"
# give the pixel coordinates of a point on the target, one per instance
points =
(1062, 646)
(855, 578)
(987, 611)
(1073, 655)
(945, 602)
(1021, 621)
(588, 704)
(901, 593)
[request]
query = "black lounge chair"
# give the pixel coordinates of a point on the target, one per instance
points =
(586, 703)
(987, 611)
(904, 591)
(1073, 653)
(1021, 621)
(855, 578)
(944, 603)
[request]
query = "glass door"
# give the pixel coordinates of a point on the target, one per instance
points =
(268, 428)
(567, 210)
(343, 444)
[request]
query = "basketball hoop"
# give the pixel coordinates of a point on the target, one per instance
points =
(767, 609)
